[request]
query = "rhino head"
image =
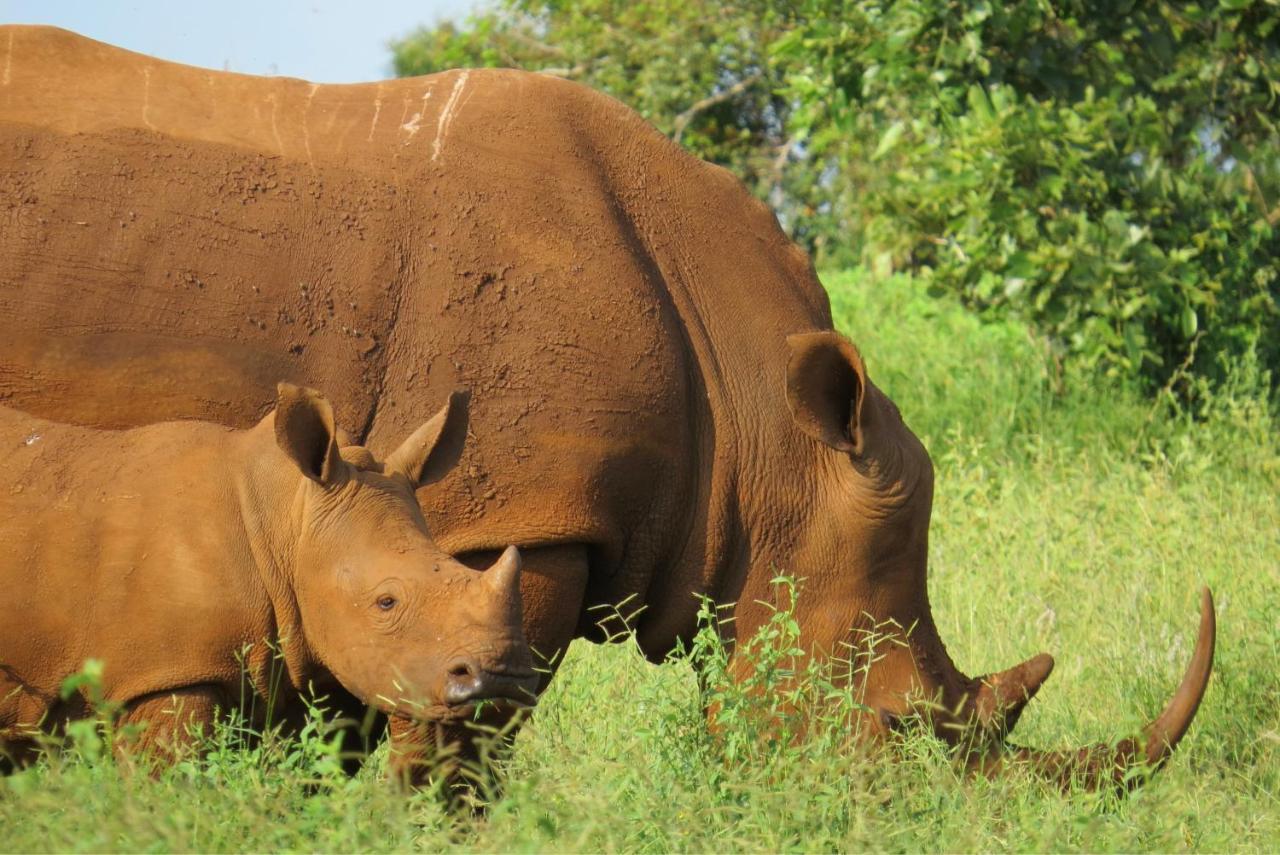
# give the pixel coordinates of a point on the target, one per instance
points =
(398, 622)
(868, 488)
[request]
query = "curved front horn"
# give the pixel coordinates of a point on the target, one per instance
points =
(1000, 698)
(1101, 765)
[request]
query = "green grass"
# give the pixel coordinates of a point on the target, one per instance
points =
(1081, 522)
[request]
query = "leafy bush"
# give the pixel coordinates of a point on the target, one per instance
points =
(1109, 172)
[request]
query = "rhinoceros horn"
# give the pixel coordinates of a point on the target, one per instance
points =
(503, 578)
(1001, 697)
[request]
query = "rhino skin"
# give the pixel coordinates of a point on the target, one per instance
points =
(661, 410)
(202, 564)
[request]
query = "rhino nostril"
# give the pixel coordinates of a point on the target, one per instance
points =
(467, 681)
(464, 681)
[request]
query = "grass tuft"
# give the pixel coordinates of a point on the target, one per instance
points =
(1071, 516)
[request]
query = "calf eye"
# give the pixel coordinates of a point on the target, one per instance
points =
(386, 602)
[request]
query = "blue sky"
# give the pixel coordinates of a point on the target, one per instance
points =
(321, 40)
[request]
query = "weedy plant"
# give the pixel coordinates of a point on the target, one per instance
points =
(1071, 516)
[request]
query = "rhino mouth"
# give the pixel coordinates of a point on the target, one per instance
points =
(496, 708)
(496, 694)
(490, 710)
(485, 695)
(502, 688)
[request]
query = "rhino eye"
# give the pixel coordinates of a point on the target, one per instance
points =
(386, 602)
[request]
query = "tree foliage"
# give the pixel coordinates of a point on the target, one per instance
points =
(1109, 171)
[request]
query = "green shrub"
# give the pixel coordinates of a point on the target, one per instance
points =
(1108, 172)
(1073, 165)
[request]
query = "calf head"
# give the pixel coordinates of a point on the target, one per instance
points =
(863, 544)
(401, 624)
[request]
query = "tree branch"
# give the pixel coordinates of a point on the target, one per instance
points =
(570, 72)
(534, 44)
(779, 164)
(682, 121)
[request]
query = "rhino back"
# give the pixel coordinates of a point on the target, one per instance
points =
(617, 307)
(119, 546)
(157, 268)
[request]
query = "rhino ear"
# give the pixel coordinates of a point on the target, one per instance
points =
(305, 431)
(436, 447)
(826, 388)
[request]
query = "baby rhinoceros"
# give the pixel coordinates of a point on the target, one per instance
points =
(199, 564)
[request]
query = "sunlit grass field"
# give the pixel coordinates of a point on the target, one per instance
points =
(1071, 516)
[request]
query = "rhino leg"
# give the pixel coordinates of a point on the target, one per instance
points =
(418, 753)
(16, 754)
(362, 727)
(162, 728)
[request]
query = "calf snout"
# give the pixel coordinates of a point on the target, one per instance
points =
(468, 681)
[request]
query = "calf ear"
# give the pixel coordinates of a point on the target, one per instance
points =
(305, 431)
(435, 448)
(826, 388)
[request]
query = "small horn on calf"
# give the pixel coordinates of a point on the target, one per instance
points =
(503, 577)
(1096, 766)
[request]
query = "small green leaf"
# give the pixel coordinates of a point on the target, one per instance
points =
(1190, 323)
(979, 103)
(889, 140)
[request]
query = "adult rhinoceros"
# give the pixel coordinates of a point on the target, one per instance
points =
(661, 407)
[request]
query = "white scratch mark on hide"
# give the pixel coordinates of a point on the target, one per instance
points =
(146, 97)
(306, 117)
(446, 115)
(8, 61)
(404, 109)
(275, 131)
(416, 122)
(377, 111)
(462, 105)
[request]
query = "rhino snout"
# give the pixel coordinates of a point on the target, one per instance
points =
(467, 681)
